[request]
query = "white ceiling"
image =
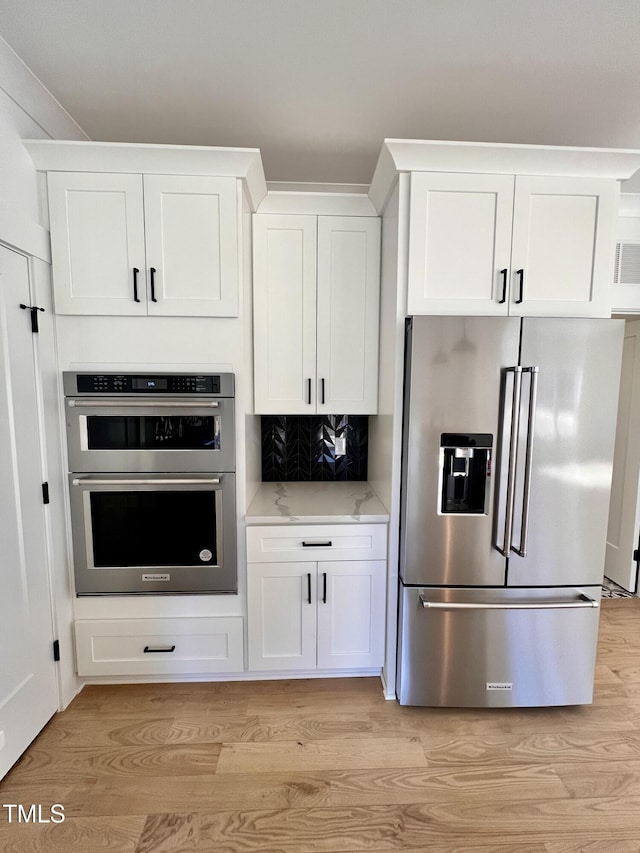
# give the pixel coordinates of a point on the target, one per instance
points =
(318, 84)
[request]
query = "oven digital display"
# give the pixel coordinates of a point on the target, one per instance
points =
(149, 383)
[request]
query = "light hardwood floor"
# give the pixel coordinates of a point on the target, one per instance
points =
(327, 766)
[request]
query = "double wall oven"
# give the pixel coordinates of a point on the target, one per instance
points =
(152, 482)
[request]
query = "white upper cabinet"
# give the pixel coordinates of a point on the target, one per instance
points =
(144, 244)
(316, 283)
(498, 244)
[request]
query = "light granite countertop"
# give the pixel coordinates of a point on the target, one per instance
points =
(316, 503)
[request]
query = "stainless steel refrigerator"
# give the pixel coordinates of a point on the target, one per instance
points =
(509, 427)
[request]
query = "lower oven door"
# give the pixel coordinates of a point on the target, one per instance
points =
(141, 533)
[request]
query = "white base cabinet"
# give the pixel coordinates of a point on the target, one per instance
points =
(487, 244)
(172, 646)
(316, 597)
(305, 616)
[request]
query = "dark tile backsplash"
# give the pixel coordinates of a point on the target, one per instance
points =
(297, 448)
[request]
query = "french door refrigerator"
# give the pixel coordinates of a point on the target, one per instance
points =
(508, 435)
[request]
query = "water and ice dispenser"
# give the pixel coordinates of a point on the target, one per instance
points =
(465, 469)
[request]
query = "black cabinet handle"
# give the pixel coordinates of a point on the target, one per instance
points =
(308, 587)
(324, 587)
(135, 284)
(504, 274)
(520, 273)
(309, 391)
(152, 271)
(317, 544)
(322, 391)
(159, 650)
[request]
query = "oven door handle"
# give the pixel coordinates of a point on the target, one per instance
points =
(156, 481)
(137, 404)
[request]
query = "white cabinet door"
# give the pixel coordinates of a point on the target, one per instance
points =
(351, 614)
(562, 252)
(348, 306)
(284, 305)
(281, 606)
(97, 242)
(192, 246)
(28, 690)
(459, 243)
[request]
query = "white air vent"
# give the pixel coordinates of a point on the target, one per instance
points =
(627, 267)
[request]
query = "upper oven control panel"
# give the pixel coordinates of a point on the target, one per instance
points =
(211, 384)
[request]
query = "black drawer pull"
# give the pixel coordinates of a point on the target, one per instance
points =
(317, 544)
(160, 649)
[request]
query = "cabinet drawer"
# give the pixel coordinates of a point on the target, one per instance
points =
(159, 646)
(316, 542)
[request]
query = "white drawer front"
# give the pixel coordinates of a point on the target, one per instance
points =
(159, 646)
(316, 542)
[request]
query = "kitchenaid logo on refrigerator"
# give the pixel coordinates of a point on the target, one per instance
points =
(499, 685)
(34, 813)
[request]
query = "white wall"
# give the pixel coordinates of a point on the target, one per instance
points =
(27, 110)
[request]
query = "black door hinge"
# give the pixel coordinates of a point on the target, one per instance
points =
(34, 315)
(45, 493)
(56, 650)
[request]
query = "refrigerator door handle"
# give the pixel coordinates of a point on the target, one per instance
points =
(521, 550)
(581, 601)
(513, 454)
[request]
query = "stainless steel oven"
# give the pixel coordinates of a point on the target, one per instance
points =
(152, 483)
(159, 422)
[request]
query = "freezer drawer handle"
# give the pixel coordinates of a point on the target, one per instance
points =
(159, 649)
(88, 481)
(582, 601)
(144, 404)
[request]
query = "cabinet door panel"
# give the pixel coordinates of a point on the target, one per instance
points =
(281, 599)
(97, 238)
(191, 234)
(563, 241)
(348, 304)
(284, 282)
(459, 240)
(351, 622)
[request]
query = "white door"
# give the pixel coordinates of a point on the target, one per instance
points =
(562, 250)
(281, 606)
(623, 534)
(97, 243)
(28, 691)
(284, 314)
(191, 224)
(459, 243)
(351, 614)
(348, 305)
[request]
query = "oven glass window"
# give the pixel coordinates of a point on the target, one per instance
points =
(147, 528)
(153, 432)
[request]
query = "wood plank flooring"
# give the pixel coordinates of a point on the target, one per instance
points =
(327, 766)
